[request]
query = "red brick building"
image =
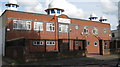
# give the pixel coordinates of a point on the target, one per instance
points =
(35, 32)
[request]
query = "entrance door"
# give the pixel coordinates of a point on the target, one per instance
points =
(63, 45)
(101, 48)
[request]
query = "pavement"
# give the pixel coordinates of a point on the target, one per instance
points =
(111, 60)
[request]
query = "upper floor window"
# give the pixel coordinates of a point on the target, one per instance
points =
(63, 28)
(105, 30)
(38, 26)
(95, 30)
(28, 25)
(50, 27)
(86, 29)
(58, 11)
(21, 25)
(76, 27)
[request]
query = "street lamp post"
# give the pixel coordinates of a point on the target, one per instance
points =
(69, 30)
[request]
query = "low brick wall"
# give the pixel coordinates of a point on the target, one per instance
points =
(106, 51)
(14, 52)
(52, 55)
(18, 53)
(115, 51)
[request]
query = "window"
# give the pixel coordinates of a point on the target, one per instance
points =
(95, 30)
(63, 28)
(95, 43)
(50, 42)
(76, 27)
(38, 42)
(76, 43)
(38, 26)
(113, 34)
(15, 24)
(58, 11)
(88, 43)
(13, 5)
(105, 43)
(52, 11)
(28, 25)
(21, 25)
(50, 27)
(86, 29)
(105, 30)
(8, 5)
(48, 12)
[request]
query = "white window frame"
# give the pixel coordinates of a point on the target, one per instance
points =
(48, 25)
(95, 30)
(38, 26)
(76, 27)
(15, 24)
(22, 25)
(36, 43)
(50, 43)
(63, 28)
(105, 43)
(105, 30)
(86, 28)
(28, 25)
(95, 43)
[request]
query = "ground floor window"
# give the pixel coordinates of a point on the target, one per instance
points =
(38, 42)
(88, 43)
(76, 43)
(95, 43)
(50, 42)
(105, 43)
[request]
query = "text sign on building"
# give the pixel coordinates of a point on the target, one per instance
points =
(63, 20)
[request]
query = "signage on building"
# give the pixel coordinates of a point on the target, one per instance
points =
(63, 20)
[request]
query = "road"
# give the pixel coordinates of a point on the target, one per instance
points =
(111, 60)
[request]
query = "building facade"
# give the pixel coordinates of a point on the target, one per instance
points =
(46, 35)
(54, 32)
(115, 40)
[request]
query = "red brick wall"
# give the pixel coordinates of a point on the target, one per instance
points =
(74, 34)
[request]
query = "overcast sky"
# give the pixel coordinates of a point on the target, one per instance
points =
(73, 8)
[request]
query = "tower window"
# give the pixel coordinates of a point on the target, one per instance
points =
(52, 11)
(8, 5)
(48, 12)
(13, 5)
(58, 11)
